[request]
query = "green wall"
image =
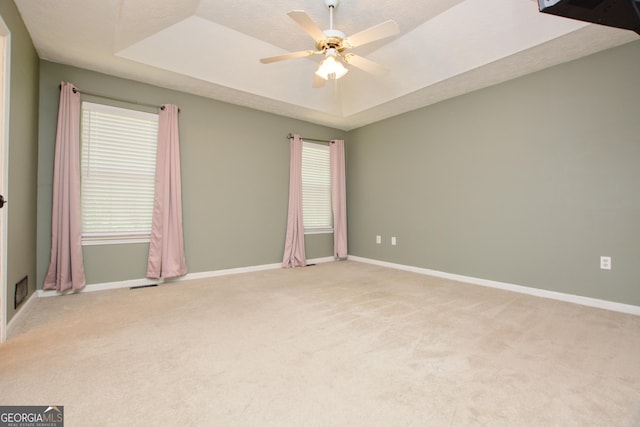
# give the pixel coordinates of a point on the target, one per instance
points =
(527, 182)
(23, 140)
(235, 174)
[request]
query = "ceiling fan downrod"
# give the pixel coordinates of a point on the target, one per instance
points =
(333, 38)
(331, 4)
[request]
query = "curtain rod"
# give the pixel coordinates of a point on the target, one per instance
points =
(310, 139)
(76, 90)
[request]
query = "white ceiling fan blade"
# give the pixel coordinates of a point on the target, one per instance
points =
(291, 55)
(307, 24)
(366, 64)
(386, 29)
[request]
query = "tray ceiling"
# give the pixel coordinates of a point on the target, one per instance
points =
(212, 48)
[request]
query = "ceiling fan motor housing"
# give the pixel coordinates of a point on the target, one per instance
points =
(334, 39)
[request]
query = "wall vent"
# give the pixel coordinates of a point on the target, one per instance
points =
(21, 291)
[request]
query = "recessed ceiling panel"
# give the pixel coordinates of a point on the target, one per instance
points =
(202, 49)
(138, 19)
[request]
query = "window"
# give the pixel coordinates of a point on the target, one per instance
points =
(118, 162)
(316, 189)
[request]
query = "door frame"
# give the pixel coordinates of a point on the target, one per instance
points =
(5, 84)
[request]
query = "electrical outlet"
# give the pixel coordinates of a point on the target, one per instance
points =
(605, 263)
(393, 241)
(378, 239)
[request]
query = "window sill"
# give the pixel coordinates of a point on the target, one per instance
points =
(120, 239)
(318, 231)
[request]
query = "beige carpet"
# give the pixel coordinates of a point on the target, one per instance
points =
(337, 344)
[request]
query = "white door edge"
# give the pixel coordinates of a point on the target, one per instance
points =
(5, 79)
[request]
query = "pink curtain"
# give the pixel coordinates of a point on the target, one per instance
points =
(294, 254)
(338, 198)
(66, 269)
(166, 249)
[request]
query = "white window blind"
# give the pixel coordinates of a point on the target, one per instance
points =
(316, 188)
(118, 159)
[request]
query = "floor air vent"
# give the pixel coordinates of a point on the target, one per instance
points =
(20, 294)
(142, 286)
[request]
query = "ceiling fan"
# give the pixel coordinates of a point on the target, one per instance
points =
(336, 46)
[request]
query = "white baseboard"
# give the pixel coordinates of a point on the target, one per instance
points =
(191, 276)
(320, 260)
(576, 299)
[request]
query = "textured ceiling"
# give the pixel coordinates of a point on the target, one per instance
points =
(212, 48)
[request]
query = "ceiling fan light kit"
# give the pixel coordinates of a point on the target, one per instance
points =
(335, 46)
(330, 68)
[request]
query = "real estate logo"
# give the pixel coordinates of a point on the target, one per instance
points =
(31, 416)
